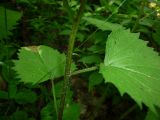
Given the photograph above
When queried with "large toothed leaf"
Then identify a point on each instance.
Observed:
(132, 67)
(8, 20)
(103, 25)
(39, 63)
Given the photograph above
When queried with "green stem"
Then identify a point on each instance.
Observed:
(85, 70)
(69, 58)
(54, 97)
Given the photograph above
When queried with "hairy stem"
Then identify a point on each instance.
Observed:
(85, 70)
(69, 58)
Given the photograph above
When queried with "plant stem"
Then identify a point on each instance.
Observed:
(85, 70)
(54, 97)
(69, 58)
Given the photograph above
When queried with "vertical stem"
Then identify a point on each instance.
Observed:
(69, 58)
(54, 97)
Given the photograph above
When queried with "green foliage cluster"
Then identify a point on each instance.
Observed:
(8, 20)
(115, 66)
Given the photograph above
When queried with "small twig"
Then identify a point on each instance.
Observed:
(128, 112)
(85, 70)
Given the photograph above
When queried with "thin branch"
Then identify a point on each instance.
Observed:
(85, 70)
(128, 111)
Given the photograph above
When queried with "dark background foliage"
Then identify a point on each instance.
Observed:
(47, 22)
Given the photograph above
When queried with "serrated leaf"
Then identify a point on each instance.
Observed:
(103, 25)
(39, 63)
(132, 67)
(8, 19)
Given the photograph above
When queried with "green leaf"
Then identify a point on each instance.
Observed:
(71, 112)
(25, 96)
(39, 63)
(90, 59)
(103, 25)
(132, 67)
(8, 19)
(156, 32)
(47, 112)
(12, 90)
(19, 115)
(96, 48)
(3, 95)
(94, 79)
